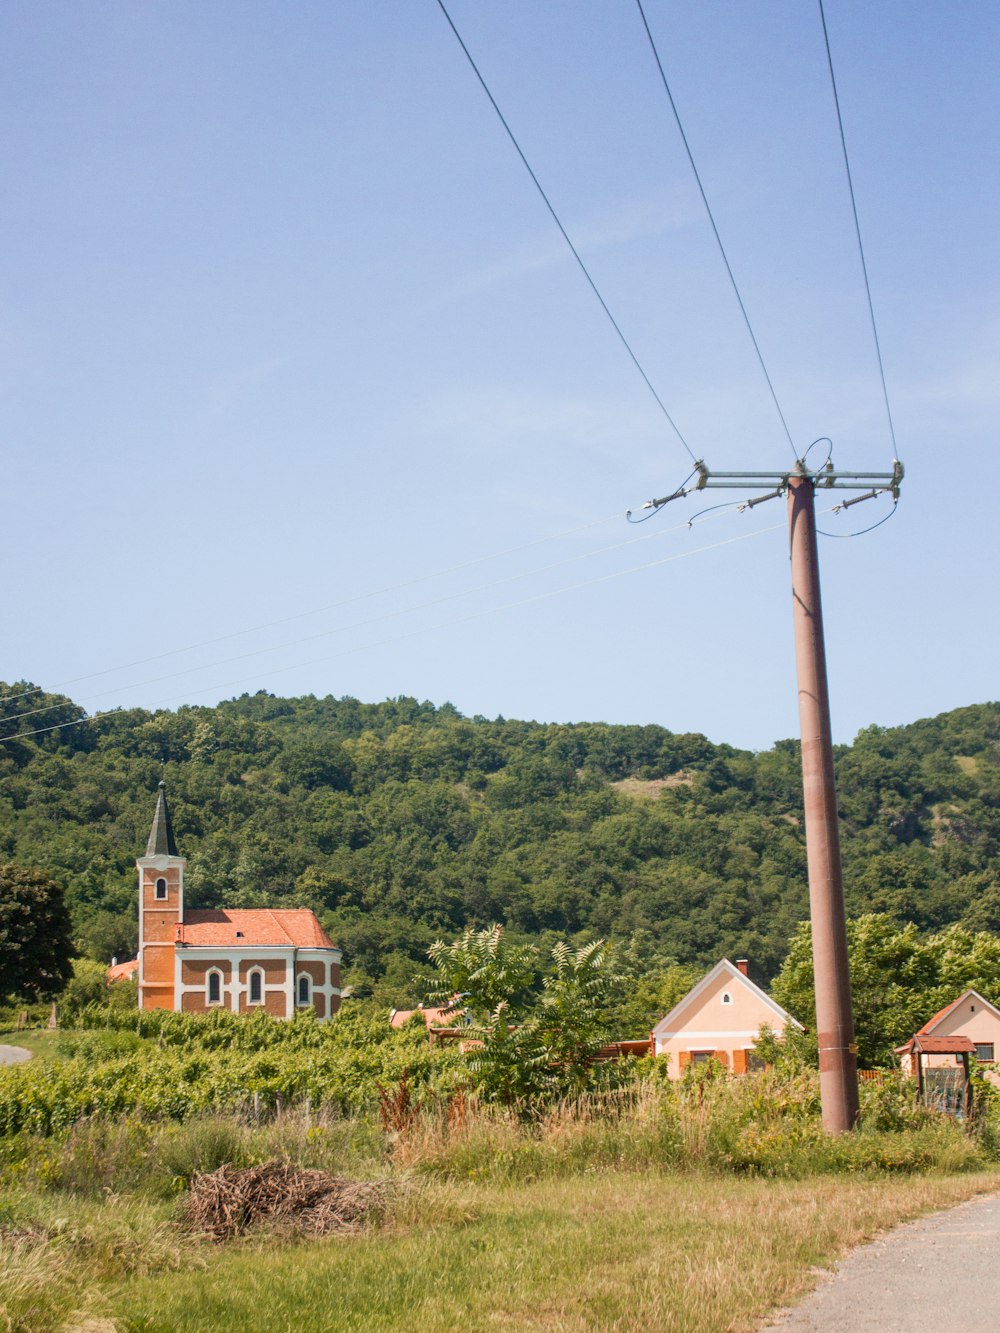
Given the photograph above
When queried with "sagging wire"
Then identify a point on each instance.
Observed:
(18, 737)
(870, 495)
(828, 462)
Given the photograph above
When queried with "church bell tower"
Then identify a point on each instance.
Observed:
(161, 910)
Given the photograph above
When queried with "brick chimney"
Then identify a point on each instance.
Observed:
(743, 964)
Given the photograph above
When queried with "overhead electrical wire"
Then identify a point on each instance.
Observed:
(321, 610)
(565, 235)
(857, 232)
(715, 229)
(845, 536)
(364, 624)
(447, 624)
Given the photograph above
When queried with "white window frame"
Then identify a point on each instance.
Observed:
(255, 972)
(982, 1046)
(161, 897)
(209, 1002)
(299, 1002)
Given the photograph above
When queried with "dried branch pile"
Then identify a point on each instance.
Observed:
(227, 1202)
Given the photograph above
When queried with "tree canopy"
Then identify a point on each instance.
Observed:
(35, 948)
(402, 822)
(899, 978)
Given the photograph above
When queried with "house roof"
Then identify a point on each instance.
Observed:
(937, 1045)
(246, 927)
(431, 1017)
(942, 1014)
(161, 835)
(670, 1021)
(123, 971)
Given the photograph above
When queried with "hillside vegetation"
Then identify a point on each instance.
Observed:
(401, 822)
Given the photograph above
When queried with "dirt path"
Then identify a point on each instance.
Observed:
(13, 1055)
(940, 1270)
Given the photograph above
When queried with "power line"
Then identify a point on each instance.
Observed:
(857, 230)
(364, 624)
(565, 235)
(447, 624)
(715, 229)
(321, 610)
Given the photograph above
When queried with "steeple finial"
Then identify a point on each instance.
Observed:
(161, 835)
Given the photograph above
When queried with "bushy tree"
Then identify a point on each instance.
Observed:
(536, 1028)
(35, 947)
(899, 978)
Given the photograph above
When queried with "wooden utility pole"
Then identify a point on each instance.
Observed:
(838, 1072)
(838, 1066)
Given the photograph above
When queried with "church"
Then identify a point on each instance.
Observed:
(279, 960)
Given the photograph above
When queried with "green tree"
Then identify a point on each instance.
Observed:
(535, 1042)
(35, 947)
(899, 978)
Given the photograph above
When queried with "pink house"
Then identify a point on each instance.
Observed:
(971, 1016)
(719, 1019)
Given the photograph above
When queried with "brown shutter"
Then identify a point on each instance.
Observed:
(683, 1059)
(723, 1058)
(739, 1062)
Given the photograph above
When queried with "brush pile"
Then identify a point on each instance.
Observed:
(227, 1202)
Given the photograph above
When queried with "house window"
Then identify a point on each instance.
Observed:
(726, 997)
(255, 987)
(702, 1057)
(214, 987)
(304, 994)
(755, 1063)
(984, 1050)
(161, 889)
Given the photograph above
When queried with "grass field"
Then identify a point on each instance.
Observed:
(696, 1206)
(691, 1254)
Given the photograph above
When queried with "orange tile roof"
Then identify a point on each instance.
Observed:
(242, 927)
(931, 1022)
(123, 971)
(431, 1017)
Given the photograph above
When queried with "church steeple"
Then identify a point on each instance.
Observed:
(161, 835)
(161, 910)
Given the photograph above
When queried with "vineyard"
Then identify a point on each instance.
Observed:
(166, 1066)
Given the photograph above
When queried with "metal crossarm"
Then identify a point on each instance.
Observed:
(827, 478)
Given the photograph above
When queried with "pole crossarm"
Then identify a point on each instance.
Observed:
(825, 478)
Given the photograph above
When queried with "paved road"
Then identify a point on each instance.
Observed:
(940, 1272)
(13, 1055)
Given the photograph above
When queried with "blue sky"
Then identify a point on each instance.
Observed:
(286, 335)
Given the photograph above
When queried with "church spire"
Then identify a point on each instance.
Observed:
(161, 835)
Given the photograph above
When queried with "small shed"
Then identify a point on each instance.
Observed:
(929, 1081)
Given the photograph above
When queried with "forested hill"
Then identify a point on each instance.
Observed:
(399, 822)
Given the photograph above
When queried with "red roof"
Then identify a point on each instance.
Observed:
(937, 1046)
(431, 1017)
(931, 1022)
(239, 928)
(123, 971)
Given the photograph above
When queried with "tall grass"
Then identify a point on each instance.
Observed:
(93, 1206)
(768, 1125)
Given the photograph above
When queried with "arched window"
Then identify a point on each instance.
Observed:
(161, 889)
(213, 992)
(255, 987)
(726, 998)
(305, 990)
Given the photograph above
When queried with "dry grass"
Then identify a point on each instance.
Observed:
(228, 1202)
(609, 1251)
(57, 1255)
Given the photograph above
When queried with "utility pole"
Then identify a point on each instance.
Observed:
(838, 1073)
(838, 1066)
